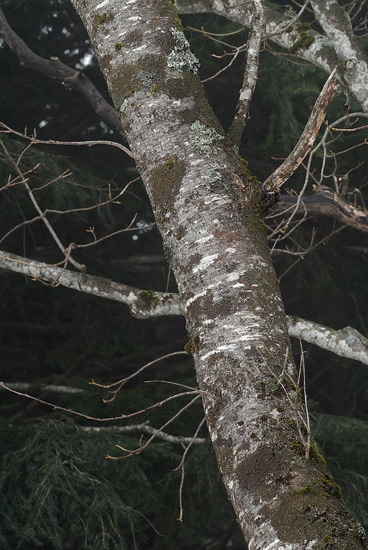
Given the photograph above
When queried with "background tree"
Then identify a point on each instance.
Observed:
(107, 343)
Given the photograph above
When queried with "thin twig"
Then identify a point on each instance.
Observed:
(90, 143)
(139, 449)
(95, 418)
(123, 381)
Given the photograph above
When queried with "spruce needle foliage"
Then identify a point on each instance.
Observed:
(60, 492)
(344, 443)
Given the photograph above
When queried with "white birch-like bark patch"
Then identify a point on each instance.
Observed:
(104, 3)
(205, 263)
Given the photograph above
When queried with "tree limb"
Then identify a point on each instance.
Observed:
(320, 50)
(145, 428)
(325, 202)
(337, 25)
(250, 73)
(273, 183)
(346, 342)
(142, 303)
(54, 68)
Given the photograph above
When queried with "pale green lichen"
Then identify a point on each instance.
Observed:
(146, 78)
(213, 177)
(181, 58)
(202, 138)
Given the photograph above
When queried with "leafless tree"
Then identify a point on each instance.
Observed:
(210, 211)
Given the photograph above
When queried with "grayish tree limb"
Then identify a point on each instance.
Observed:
(141, 303)
(250, 72)
(273, 183)
(311, 46)
(50, 388)
(346, 342)
(54, 68)
(146, 304)
(337, 25)
(145, 428)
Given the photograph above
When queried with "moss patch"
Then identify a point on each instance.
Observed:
(307, 514)
(103, 18)
(305, 38)
(192, 346)
(166, 180)
(149, 298)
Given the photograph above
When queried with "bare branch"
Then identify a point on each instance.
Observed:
(273, 183)
(34, 140)
(123, 381)
(145, 428)
(142, 303)
(95, 418)
(54, 68)
(139, 449)
(250, 72)
(42, 215)
(346, 342)
(182, 466)
(325, 202)
(49, 388)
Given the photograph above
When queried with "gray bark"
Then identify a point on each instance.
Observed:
(143, 304)
(337, 26)
(346, 342)
(326, 51)
(207, 209)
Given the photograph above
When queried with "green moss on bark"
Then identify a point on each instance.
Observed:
(166, 181)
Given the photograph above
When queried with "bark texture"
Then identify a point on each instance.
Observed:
(337, 26)
(207, 208)
(143, 304)
(323, 50)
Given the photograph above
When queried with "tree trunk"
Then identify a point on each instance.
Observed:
(208, 210)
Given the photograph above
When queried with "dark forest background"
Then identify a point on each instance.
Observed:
(58, 491)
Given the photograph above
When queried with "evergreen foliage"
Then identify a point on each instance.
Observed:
(344, 443)
(59, 492)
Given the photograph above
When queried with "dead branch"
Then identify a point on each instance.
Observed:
(54, 68)
(145, 428)
(250, 73)
(272, 185)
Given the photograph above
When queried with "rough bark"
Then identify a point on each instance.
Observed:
(324, 51)
(143, 304)
(206, 207)
(337, 25)
(346, 342)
